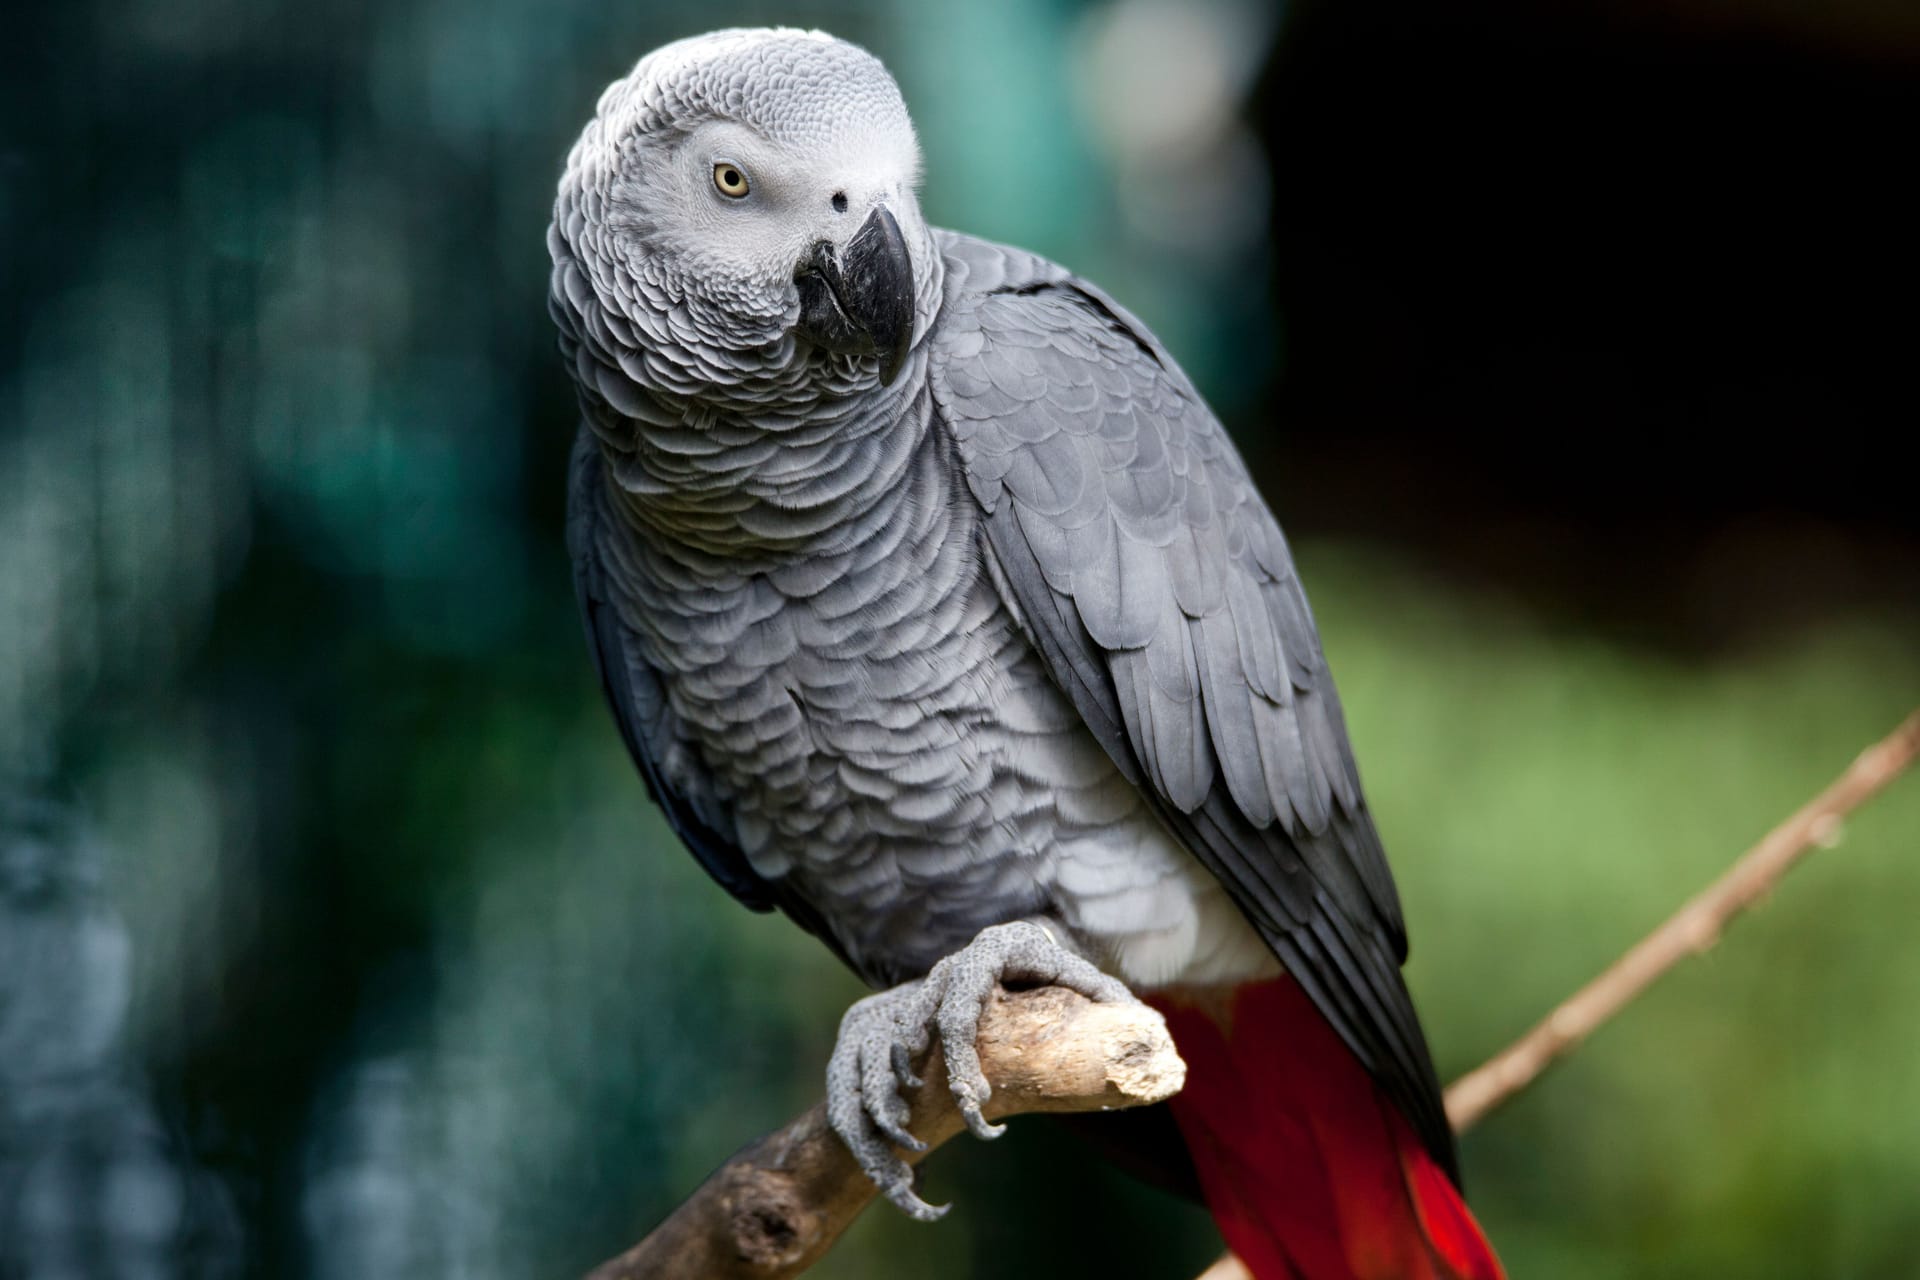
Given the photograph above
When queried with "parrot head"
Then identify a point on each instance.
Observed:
(743, 206)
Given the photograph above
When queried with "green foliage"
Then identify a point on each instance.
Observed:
(1547, 800)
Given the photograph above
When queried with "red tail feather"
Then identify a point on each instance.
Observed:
(1310, 1170)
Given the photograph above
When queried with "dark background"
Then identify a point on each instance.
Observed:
(1608, 300)
(1572, 344)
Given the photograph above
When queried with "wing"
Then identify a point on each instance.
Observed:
(674, 775)
(1159, 590)
(633, 689)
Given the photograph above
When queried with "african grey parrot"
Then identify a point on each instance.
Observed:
(938, 611)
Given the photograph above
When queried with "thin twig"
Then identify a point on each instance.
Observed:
(1692, 929)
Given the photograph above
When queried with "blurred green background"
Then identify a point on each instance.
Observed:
(337, 937)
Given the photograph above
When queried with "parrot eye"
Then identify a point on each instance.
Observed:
(731, 182)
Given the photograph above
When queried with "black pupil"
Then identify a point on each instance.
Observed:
(730, 177)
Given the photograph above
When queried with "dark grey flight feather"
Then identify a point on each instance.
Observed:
(1158, 589)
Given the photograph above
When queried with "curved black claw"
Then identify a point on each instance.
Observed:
(903, 1067)
(882, 1035)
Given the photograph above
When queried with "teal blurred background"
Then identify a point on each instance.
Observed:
(337, 937)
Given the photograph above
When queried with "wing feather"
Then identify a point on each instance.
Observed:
(1125, 531)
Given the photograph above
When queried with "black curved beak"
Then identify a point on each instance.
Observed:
(859, 301)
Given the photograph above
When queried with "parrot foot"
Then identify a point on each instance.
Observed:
(882, 1035)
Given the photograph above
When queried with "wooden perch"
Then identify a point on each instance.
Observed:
(776, 1207)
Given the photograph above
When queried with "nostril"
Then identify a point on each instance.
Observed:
(839, 202)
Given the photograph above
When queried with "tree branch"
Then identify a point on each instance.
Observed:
(779, 1205)
(776, 1207)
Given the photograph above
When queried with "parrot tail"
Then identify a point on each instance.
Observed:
(1310, 1170)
